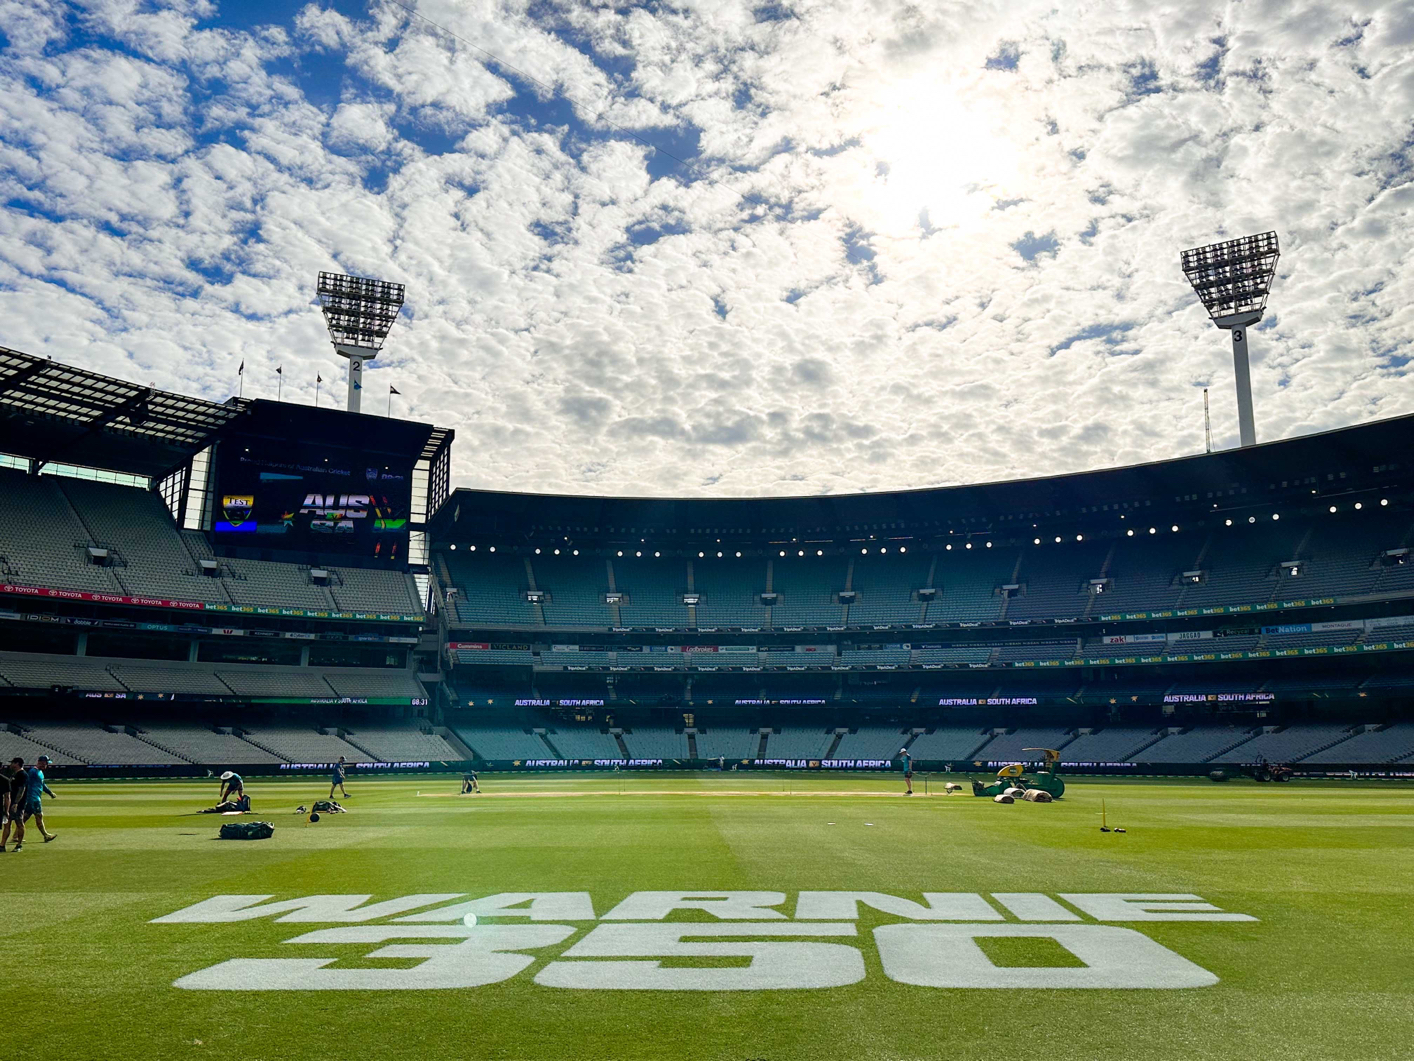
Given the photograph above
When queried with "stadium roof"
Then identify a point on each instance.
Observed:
(1365, 457)
(60, 414)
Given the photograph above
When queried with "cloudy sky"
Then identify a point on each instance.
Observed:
(723, 247)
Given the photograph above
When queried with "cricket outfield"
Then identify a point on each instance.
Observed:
(732, 917)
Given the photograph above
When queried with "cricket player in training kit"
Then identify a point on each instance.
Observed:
(338, 779)
(18, 779)
(33, 807)
(4, 806)
(232, 787)
(907, 770)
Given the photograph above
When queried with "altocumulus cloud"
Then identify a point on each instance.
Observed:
(910, 245)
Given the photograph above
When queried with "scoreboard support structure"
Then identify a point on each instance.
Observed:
(357, 356)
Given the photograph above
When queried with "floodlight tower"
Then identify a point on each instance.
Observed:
(360, 312)
(1232, 280)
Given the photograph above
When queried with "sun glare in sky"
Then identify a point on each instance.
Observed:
(944, 154)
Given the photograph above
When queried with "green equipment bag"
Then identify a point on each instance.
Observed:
(247, 831)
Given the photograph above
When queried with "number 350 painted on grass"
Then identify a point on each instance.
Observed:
(783, 955)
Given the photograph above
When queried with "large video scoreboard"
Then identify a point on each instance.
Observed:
(317, 482)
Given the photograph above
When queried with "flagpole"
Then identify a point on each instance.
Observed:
(390, 401)
(317, 380)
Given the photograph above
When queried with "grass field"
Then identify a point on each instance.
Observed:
(1326, 868)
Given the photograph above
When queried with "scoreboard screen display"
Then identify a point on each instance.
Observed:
(315, 499)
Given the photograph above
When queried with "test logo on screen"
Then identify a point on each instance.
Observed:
(239, 510)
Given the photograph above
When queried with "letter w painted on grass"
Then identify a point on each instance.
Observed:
(323, 908)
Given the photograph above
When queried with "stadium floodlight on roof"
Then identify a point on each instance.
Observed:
(1232, 280)
(360, 312)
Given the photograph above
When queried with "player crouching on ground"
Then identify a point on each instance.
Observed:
(469, 783)
(239, 805)
(232, 788)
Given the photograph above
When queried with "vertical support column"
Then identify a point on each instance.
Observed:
(357, 356)
(355, 383)
(1246, 426)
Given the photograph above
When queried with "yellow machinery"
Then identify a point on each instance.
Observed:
(1015, 776)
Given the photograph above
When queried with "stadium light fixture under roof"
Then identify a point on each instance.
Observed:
(1232, 280)
(359, 312)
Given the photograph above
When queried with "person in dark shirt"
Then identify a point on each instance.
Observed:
(15, 774)
(239, 805)
(469, 783)
(907, 770)
(4, 803)
(337, 779)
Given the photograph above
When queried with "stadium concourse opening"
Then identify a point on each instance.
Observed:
(268, 587)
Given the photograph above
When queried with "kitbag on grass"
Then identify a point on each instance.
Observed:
(247, 831)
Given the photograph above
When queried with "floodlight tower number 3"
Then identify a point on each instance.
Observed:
(1232, 280)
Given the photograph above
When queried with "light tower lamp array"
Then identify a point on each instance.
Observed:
(1232, 280)
(359, 312)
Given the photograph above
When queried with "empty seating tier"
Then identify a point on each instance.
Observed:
(1198, 745)
(947, 743)
(730, 742)
(203, 746)
(1388, 745)
(496, 742)
(1284, 745)
(402, 744)
(1012, 747)
(799, 742)
(97, 746)
(302, 745)
(1114, 744)
(650, 742)
(578, 743)
(13, 744)
(872, 742)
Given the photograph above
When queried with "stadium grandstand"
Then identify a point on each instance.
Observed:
(185, 584)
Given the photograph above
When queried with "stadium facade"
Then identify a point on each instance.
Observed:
(186, 584)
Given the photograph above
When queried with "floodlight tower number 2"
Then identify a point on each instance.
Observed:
(1232, 280)
(359, 312)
